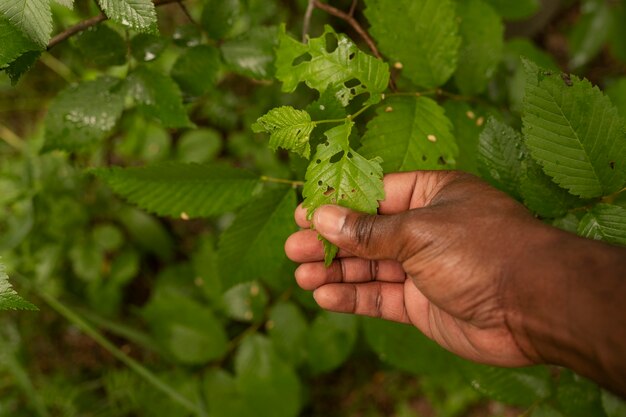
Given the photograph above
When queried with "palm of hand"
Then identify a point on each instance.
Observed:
(436, 259)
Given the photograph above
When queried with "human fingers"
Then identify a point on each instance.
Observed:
(304, 246)
(374, 299)
(315, 274)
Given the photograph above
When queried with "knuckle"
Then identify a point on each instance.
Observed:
(362, 229)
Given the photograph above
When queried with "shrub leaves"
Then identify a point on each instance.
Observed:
(288, 128)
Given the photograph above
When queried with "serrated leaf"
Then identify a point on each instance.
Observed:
(252, 54)
(467, 122)
(101, 46)
(218, 17)
(574, 132)
(500, 154)
(339, 175)
(346, 70)
(482, 34)
(9, 299)
(420, 34)
(182, 190)
(288, 128)
(252, 247)
(139, 15)
(330, 340)
(13, 42)
(158, 96)
(405, 348)
(520, 386)
(83, 114)
(605, 222)
(541, 195)
(196, 69)
(67, 3)
(22, 65)
(410, 133)
(266, 383)
(33, 17)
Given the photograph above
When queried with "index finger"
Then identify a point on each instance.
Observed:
(403, 191)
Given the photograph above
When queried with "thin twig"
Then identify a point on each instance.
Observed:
(11, 138)
(186, 12)
(353, 7)
(306, 21)
(92, 21)
(294, 184)
(352, 22)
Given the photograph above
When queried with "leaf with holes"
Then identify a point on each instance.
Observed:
(139, 15)
(288, 128)
(419, 34)
(182, 190)
(605, 222)
(339, 175)
(346, 70)
(574, 132)
(410, 133)
(33, 17)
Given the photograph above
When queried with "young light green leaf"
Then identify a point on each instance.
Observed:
(139, 15)
(500, 153)
(83, 114)
(33, 17)
(196, 69)
(182, 190)
(605, 222)
(574, 132)
(421, 35)
(251, 248)
(252, 54)
(288, 128)
(158, 96)
(482, 34)
(9, 300)
(14, 42)
(410, 133)
(347, 71)
(339, 175)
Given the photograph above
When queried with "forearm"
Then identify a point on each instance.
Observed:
(568, 306)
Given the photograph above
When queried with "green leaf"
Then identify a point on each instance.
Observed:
(613, 406)
(339, 175)
(182, 190)
(245, 302)
(252, 54)
(331, 339)
(139, 15)
(617, 93)
(218, 17)
(406, 348)
(574, 132)
(67, 3)
(13, 41)
(83, 114)
(500, 154)
(410, 133)
(158, 97)
(288, 329)
(265, 382)
(199, 145)
(482, 34)
(22, 65)
(102, 46)
(252, 247)
(590, 32)
(9, 300)
(605, 222)
(521, 386)
(578, 397)
(617, 39)
(541, 195)
(146, 47)
(33, 17)
(419, 34)
(468, 122)
(288, 128)
(196, 69)
(187, 329)
(514, 10)
(346, 70)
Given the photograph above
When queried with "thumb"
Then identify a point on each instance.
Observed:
(365, 235)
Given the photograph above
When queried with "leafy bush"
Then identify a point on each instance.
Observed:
(186, 305)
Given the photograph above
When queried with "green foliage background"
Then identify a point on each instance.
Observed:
(143, 212)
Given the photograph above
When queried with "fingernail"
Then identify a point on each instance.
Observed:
(329, 220)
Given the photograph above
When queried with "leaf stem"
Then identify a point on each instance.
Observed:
(294, 184)
(348, 117)
(135, 366)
